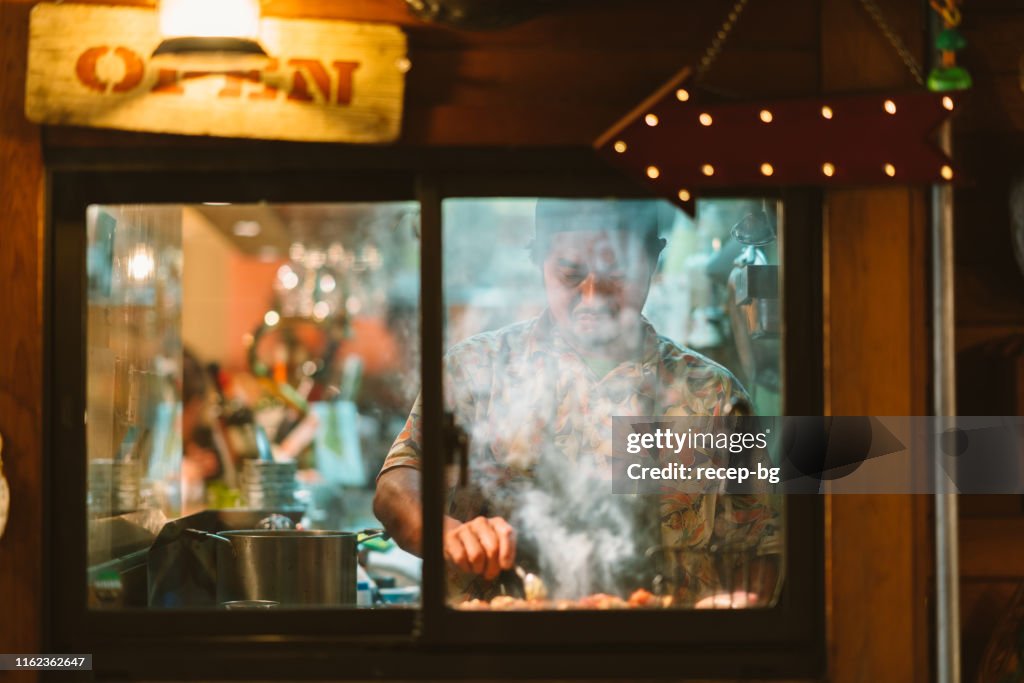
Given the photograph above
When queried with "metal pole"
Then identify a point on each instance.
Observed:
(947, 570)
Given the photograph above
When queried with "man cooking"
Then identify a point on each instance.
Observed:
(537, 400)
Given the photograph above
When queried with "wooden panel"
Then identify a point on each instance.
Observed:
(992, 548)
(21, 353)
(329, 80)
(875, 283)
(565, 76)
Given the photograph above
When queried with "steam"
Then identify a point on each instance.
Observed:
(584, 538)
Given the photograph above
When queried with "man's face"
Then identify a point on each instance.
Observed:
(596, 284)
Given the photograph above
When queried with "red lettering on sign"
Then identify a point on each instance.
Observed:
(234, 80)
(300, 86)
(345, 70)
(269, 91)
(85, 68)
(167, 82)
(134, 69)
(310, 80)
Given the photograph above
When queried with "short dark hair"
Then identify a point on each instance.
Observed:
(640, 217)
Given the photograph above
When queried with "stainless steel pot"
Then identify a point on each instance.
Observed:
(288, 566)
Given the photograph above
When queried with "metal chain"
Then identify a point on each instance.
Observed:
(894, 40)
(715, 48)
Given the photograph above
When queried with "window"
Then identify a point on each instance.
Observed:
(561, 314)
(248, 367)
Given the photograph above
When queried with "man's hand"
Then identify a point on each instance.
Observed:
(484, 545)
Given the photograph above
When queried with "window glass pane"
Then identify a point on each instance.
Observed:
(248, 367)
(562, 314)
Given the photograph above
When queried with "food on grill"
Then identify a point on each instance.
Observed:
(735, 600)
(597, 601)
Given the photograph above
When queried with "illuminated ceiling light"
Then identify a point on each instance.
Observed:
(707, 169)
(705, 119)
(890, 170)
(947, 172)
(141, 264)
(947, 103)
(651, 120)
(216, 203)
(889, 106)
(682, 95)
(213, 35)
(246, 228)
(321, 309)
(684, 195)
(766, 116)
(828, 169)
(620, 146)
(271, 318)
(826, 112)
(653, 172)
(766, 169)
(327, 283)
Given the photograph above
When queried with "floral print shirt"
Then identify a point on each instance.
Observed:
(522, 390)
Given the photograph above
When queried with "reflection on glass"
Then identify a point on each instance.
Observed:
(566, 314)
(248, 367)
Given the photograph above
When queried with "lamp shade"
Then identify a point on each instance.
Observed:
(211, 34)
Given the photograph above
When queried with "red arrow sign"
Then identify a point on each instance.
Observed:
(679, 145)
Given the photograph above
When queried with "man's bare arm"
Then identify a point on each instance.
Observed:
(480, 546)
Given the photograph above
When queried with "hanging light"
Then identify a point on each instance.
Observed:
(211, 33)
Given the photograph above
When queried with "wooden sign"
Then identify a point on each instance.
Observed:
(328, 81)
(678, 145)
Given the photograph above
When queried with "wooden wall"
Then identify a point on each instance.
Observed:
(989, 138)
(560, 80)
(21, 337)
(566, 76)
(876, 355)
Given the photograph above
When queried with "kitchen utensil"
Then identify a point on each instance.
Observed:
(249, 604)
(519, 583)
(269, 485)
(533, 585)
(292, 567)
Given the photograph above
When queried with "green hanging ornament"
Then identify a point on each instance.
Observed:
(947, 76)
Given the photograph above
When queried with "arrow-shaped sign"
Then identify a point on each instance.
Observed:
(679, 145)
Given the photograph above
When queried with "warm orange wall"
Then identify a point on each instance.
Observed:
(21, 337)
